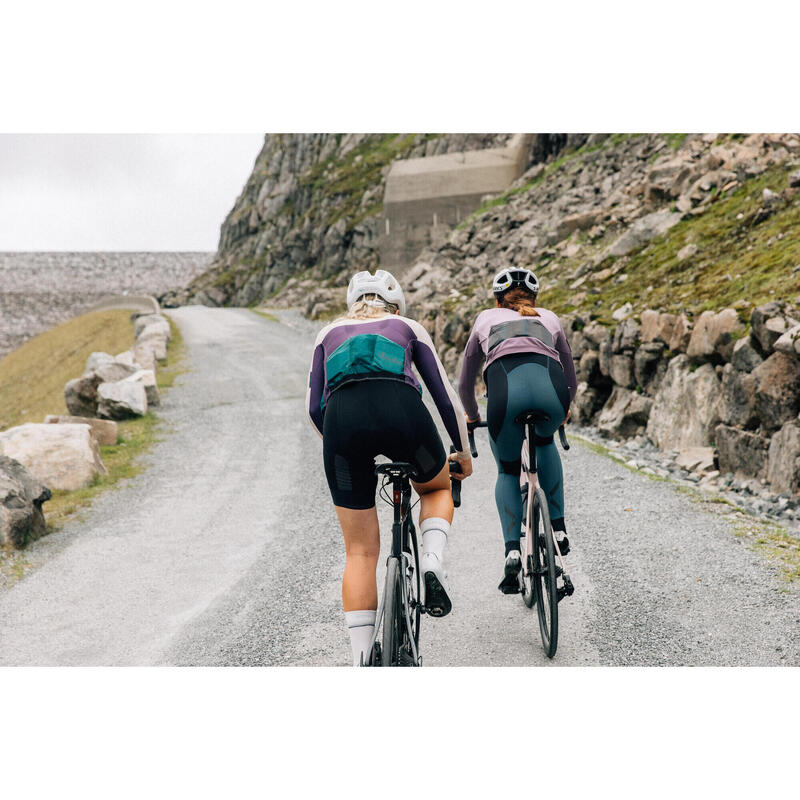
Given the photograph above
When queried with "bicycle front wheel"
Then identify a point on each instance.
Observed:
(544, 574)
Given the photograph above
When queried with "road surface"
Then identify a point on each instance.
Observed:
(226, 551)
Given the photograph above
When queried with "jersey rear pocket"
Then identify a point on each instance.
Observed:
(367, 354)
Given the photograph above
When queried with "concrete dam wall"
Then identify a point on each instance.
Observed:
(426, 197)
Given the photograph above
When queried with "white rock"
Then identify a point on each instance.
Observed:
(789, 342)
(147, 320)
(623, 312)
(96, 360)
(104, 430)
(121, 400)
(60, 456)
(696, 459)
(686, 407)
(148, 379)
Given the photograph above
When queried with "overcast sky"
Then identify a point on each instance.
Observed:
(121, 191)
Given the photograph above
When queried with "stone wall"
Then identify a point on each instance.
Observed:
(730, 381)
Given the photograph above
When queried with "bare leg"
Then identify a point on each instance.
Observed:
(362, 546)
(435, 497)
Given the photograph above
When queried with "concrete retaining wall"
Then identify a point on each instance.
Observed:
(426, 197)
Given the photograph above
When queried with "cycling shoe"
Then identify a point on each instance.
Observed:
(437, 591)
(510, 582)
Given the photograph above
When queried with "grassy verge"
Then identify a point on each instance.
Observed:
(123, 460)
(738, 258)
(265, 314)
(774, 544)
(32, 378)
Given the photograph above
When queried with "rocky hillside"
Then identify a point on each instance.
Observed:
(676, 223)
(311, 209)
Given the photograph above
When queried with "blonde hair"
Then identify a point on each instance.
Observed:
(370, 306)
(519, 300)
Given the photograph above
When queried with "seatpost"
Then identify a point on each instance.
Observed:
(531, 449)
(397, 492)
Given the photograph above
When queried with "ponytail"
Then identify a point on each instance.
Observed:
(519, 300)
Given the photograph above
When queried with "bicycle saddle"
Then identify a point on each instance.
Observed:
(399, 468)
(533, 416)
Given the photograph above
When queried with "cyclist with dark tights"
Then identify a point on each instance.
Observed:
(364, 400)
(528, 366)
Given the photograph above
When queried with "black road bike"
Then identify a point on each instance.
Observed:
(401, 607)
(542, 563)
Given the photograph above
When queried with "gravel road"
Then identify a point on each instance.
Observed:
(226, 551)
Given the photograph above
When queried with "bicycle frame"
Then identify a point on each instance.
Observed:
(531, 475)
(404, 540)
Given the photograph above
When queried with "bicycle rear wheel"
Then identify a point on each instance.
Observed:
(544, 574)
(526, 575)
(393, 623)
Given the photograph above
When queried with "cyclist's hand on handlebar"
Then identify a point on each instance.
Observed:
(464, 461)
(569, 414)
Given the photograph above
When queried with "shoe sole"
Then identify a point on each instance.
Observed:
(510, 582)
(437, 602)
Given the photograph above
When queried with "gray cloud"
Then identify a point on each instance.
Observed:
(121, 191)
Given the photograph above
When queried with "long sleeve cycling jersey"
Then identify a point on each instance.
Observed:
(502, 331)
(356, 350)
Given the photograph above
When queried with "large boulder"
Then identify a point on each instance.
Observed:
(596, 334)
(605, 353)
(588, 400)
(121, 400)
(152, 323)
(104, 430)
(685, 408)
(96, 360)
(783, 467)
(156, 342)
(768, 323)
(777, 390)
(745, 357)
(148, 379)
(696, 459)
(713, 336)
(624, 414)
(737, 404)
(741, 452)
(80, 394)
(627, 336)
(672, 329)
(21, 499)
(60, 456)
(145, 356)
(643, 230)
(621, 370)
(588, 368)
(649, 366)
(789, 342)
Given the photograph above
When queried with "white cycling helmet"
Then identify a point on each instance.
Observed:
(511, 278)
(382, 283)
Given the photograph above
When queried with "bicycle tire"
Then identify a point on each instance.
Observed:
(392, 615)
(528, 590)
(544, 558)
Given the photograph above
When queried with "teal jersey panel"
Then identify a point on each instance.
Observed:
(364, 354)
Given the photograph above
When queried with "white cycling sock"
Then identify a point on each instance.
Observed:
(360, 626)
(434, 535)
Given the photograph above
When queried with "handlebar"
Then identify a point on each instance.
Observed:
(471, 434)
(562, 436)
(455, 484)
